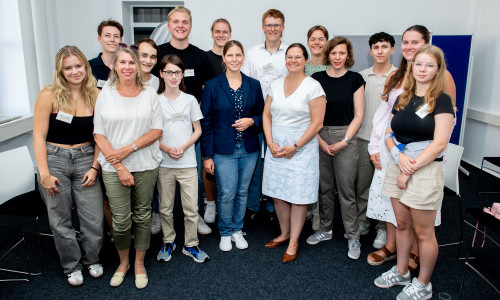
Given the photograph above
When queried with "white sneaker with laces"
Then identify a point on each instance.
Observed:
(96, 270)
(203, 227)
(225, 243)
(416, 291)
(210, 212)
(75, 279)
(155, 224)
(354, 249)
(380, 239)
(239, 240)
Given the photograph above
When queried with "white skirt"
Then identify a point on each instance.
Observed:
(294, 180)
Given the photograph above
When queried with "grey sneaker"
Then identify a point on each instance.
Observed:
(416, 291)
(165, 253)
(203, 227)
(380, 239)
(392, 278)
(319, 236)
(198, 255)
(75, 279)
(354, 249)
(96, 270)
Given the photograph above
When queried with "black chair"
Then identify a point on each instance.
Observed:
(494, 161)
(9, 234)
(484, 261)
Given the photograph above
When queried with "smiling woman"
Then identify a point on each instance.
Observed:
(128, 123)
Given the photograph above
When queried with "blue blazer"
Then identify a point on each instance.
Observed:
(219, 113)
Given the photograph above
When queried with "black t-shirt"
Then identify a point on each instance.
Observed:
(216, 62)
(408, 127)
(339, 96)
(99, 69)
(198, 67)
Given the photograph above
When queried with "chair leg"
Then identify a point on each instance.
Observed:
(463, 276)
(39, 244)
(461, 213)
(480, 177)
(27, 256)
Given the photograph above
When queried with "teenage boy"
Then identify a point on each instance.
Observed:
(265, 62)
(221, 33)
(109, 35)
(317, 37)
(381, 49)
(198, 71)
(147, 51)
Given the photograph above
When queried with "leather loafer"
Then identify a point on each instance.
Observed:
(141, 281)
(117, 278)
(289, 257)
(273, 244)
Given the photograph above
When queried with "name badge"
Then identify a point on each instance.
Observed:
(267, 68)
(422, 112)
(64, 117)
(178, 117)
(189, 73)
(101, 83)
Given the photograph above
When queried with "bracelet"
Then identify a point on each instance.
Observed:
(95, 169)
(118, 169)
(206, 158)
(43, 179)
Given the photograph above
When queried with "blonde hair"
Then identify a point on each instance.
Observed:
(113, 76)
(437, 84)
(180, 8)
(60, 85)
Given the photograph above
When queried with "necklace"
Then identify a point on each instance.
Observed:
(418, 100)
(76, 100)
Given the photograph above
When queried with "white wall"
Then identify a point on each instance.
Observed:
(481, 138)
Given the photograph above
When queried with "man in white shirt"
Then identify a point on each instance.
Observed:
(265, 62)
(381, 49)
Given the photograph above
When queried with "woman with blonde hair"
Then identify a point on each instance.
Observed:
(67, 162)
(422, 118)
(128, 124)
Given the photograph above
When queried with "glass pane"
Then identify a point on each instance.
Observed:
(150, 14)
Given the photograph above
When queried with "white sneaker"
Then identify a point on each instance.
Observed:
(239, 240)
(225, 243)
(354, 249)
(210, 212)
(75, 279)
(155, 224)
(380, 239)
(96, 270)
(203, 227)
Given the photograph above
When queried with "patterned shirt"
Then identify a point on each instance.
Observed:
(238, 105)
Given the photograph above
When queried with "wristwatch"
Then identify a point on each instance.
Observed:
(347, 140)
(297, 148)
(134, 147)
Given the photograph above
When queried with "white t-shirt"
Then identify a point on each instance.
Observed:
(154, 82)
(122, 120)
(293, 110)
(178, 118)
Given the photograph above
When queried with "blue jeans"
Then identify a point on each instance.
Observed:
(256, 184)
(69, 166)
(233, 174)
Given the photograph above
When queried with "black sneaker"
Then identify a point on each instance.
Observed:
(251, 217)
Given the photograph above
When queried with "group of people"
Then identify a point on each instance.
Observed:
(374, 140)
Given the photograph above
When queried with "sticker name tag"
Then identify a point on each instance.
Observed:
(422, 112)
(189, 73)
(178, 117)
(64, 117)
(101, 83)
(267, 68)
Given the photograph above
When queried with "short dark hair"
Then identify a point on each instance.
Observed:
(381, 37)
(110, 22)
(146, 40)
(338, 40)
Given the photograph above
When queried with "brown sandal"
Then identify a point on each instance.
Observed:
(381, 259)
(416, 260)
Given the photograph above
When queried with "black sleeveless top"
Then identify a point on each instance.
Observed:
(81, 130)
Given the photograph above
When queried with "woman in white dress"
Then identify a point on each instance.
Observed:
(293, 116)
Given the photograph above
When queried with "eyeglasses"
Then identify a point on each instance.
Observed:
(125, 46)
(298, 57)
(419, 65)
(272, 26)
(172, 73)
